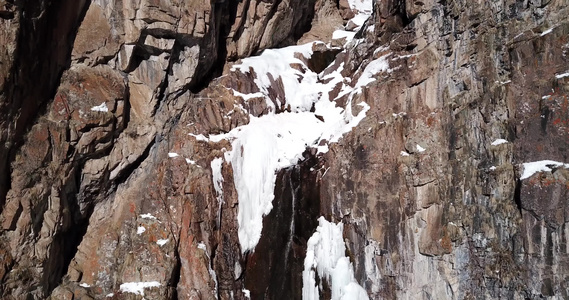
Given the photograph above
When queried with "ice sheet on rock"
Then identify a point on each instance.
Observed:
(216, 165)
(137, 288)
(499, 142)
(325, 257)
(102, 108)
(275, 141)
(540, 166)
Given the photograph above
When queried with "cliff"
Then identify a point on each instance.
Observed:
(320, 149)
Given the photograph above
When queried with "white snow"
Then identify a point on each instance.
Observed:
(247, 293)
(103, 107)
(340, 34)
(499, 142)
(137, 288)
(148, 216)
(216, 165)
(247, 97)
(275, 63)
(362, 6)
(172, 154)
(275, 141)
(559, 76)
(547, 31)
(140, 230)
(110, 295)
(362, 11)
(162, 242)
(493, 168)
(420, 149)
(199, 137)
(325, 256)
(374, 67)
(202, 246)
(404, 153)
(191, 162)
(85, 285)
(531, 168)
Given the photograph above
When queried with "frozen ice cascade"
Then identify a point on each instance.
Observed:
(325, 255)
(274, 141)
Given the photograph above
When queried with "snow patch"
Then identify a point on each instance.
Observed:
(325, 256)
(85, 285)
(373, 68)
(247, 97)
(191, 162)
(148, 216)
(172, 154)
(559, 76)
(162, 242)
(140, 230)
(247, 293)
(199, 137)
(340, 34)
(110, 295)
(547, 31)
(531, 168)
(493, 168)
(202, 246)
(102, 108)
(420, 149)
(499, 142)
(275, 63)
(137, 288)
(403, 153)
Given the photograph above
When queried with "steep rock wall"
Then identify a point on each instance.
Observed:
(103, 185)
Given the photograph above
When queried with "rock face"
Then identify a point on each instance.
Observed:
(113, 183)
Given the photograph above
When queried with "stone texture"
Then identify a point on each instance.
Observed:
(78, 180)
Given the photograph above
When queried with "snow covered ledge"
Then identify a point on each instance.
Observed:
(530, 168)
(325, 257)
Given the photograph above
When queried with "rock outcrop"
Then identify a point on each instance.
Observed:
(119, 121)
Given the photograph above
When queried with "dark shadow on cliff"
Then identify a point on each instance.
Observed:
(274, 270)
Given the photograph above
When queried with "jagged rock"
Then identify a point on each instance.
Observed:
(110, 164)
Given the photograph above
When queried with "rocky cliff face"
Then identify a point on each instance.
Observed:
(158, 150)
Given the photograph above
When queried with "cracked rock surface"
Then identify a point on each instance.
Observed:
(108, 110)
